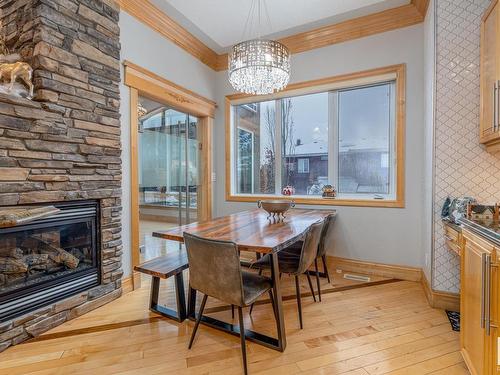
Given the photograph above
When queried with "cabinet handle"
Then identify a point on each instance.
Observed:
(483, 288)
(487, 304)
(449, 238)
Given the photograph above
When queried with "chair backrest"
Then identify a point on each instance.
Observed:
(310, 247)
(326, 234)
(214, 268)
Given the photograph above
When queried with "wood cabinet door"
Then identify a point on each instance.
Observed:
(489, 76)
(494, 368)
(473, 339)
(495, 314)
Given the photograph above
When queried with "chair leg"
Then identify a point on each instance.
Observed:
(317, 278)
(310, 285)
(299, 304)
(242, 338)
(202, 307)
(251, 307)
(325, 267)
(232, 311)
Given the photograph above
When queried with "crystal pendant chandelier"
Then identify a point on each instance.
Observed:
(259, 66)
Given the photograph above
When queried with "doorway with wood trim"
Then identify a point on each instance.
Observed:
(171, 160)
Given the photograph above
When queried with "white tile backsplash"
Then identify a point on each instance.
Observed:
(462, 166)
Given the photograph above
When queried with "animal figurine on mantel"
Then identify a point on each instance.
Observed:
(11, 72)
(12, 69)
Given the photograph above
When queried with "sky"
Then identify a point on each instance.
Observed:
(364, 114)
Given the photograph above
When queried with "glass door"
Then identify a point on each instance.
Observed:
(168, 174)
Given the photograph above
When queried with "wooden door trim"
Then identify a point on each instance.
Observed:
(168, 92)
(134, 186)
(142, 82)
(371, 24)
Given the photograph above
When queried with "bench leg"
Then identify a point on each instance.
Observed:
(155, 291)
(180, 296)
(155, 307)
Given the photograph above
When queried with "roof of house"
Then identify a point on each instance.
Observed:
(320, 147)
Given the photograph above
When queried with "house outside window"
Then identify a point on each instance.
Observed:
(344, 135)
(303, 165)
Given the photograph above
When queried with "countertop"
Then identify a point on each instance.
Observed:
(489, 229)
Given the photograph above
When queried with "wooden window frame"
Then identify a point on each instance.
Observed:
(394, 72)
(143, 82)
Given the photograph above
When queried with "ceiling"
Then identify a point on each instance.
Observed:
(220, 23)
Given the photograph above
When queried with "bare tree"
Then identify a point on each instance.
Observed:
(287, 142)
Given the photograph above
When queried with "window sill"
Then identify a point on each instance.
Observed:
(322, 201)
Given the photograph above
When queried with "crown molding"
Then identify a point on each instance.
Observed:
(422, 6)
(387, 20)
(150, 15)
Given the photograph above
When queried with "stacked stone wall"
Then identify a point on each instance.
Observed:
(64, 145)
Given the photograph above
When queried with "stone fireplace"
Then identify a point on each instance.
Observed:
(62, 149)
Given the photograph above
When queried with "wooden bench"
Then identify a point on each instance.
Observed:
(164, 267)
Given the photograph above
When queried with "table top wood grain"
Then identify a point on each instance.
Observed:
(252, 230)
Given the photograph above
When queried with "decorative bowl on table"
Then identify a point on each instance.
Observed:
(275, 208)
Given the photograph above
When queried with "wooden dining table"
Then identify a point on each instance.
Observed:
(252, 231)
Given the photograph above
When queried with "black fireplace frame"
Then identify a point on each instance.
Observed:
(57, 219)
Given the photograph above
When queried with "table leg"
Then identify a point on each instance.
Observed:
(280, 323)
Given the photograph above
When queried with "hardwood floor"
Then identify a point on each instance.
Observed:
(152, 247)
(381, 329)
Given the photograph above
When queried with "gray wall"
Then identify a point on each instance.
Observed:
(143, 46)
(429, 98)
(385, 235)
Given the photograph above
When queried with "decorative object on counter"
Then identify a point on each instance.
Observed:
(483, 212)
(445, 211)
(288, 190)
(457, 209)
(14, 216)
(329, 192)
(276, 208)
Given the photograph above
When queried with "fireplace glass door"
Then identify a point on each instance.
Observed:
(49, 259)
(32, 256)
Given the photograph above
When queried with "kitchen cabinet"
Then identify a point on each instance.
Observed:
(453, 237)
(479, 304)
(490, 78)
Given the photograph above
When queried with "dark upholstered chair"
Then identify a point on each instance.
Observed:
(296, 266)
(326, 238)
(215, 271)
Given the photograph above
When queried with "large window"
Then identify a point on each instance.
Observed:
(343, 134)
